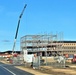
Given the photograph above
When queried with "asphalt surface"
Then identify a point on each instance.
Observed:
(11, 70)
(3, 71)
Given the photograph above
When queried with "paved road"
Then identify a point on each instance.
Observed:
(11, 70)
(4, 71)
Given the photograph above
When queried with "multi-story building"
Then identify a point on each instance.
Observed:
(69, 47)
(47, 44)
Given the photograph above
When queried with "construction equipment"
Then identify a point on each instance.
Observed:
(74, 59)
(18, 28)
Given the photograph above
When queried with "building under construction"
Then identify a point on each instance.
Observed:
(47, 45)
(43, 44)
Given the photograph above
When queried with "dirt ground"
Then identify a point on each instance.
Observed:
(59, 71)
(48, 70)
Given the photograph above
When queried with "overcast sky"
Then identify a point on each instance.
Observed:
(40, 16)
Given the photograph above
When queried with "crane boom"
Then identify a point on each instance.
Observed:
(18, 28)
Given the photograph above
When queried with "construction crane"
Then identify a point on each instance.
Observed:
(18, 28)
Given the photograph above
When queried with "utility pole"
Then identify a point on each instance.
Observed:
(18, 28)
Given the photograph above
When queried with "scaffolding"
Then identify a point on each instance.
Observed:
(44, 46)
(47, 44)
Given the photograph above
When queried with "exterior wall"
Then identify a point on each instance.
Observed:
(69, 48)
